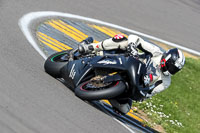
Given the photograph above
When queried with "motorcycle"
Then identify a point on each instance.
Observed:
(115, 75)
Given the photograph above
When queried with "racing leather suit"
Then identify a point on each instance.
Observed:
(158, 81)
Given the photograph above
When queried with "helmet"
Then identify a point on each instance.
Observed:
(172, 61)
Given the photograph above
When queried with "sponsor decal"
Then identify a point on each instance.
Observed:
(106, 62)
(139, 68)
(120, 60)
(72, 72)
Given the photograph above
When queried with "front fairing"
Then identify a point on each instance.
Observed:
(133, 67)
(75, 71)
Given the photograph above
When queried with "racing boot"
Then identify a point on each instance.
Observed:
(84, 48)
(121, 106)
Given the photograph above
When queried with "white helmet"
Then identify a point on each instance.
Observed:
(172, 61)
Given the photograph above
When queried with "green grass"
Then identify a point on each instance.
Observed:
(177, 108)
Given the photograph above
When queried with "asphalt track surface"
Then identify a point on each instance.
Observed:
(32, 101)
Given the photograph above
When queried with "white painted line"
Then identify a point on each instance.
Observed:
(24, 24)
(124, 125)
(26, 19)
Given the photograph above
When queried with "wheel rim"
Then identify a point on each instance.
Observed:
(88, 86)
(60, 57)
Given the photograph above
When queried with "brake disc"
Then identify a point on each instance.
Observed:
(97, 82)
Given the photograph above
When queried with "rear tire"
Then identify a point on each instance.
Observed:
(105, 93)
(53, 63)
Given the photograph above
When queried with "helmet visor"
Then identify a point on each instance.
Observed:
(173, 69)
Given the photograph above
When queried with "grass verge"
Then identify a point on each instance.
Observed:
(177, 109)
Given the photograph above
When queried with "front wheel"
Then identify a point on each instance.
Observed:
(55, 62)
(89, 91)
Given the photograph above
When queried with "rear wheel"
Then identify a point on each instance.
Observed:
(95, 90)
(55, 62)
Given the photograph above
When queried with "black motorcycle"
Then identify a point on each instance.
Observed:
(115, 75)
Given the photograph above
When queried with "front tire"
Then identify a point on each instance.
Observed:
(54, 63)
(117, 88)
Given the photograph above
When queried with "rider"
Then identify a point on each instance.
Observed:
(160, 68)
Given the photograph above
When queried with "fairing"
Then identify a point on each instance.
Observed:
(77, 70)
